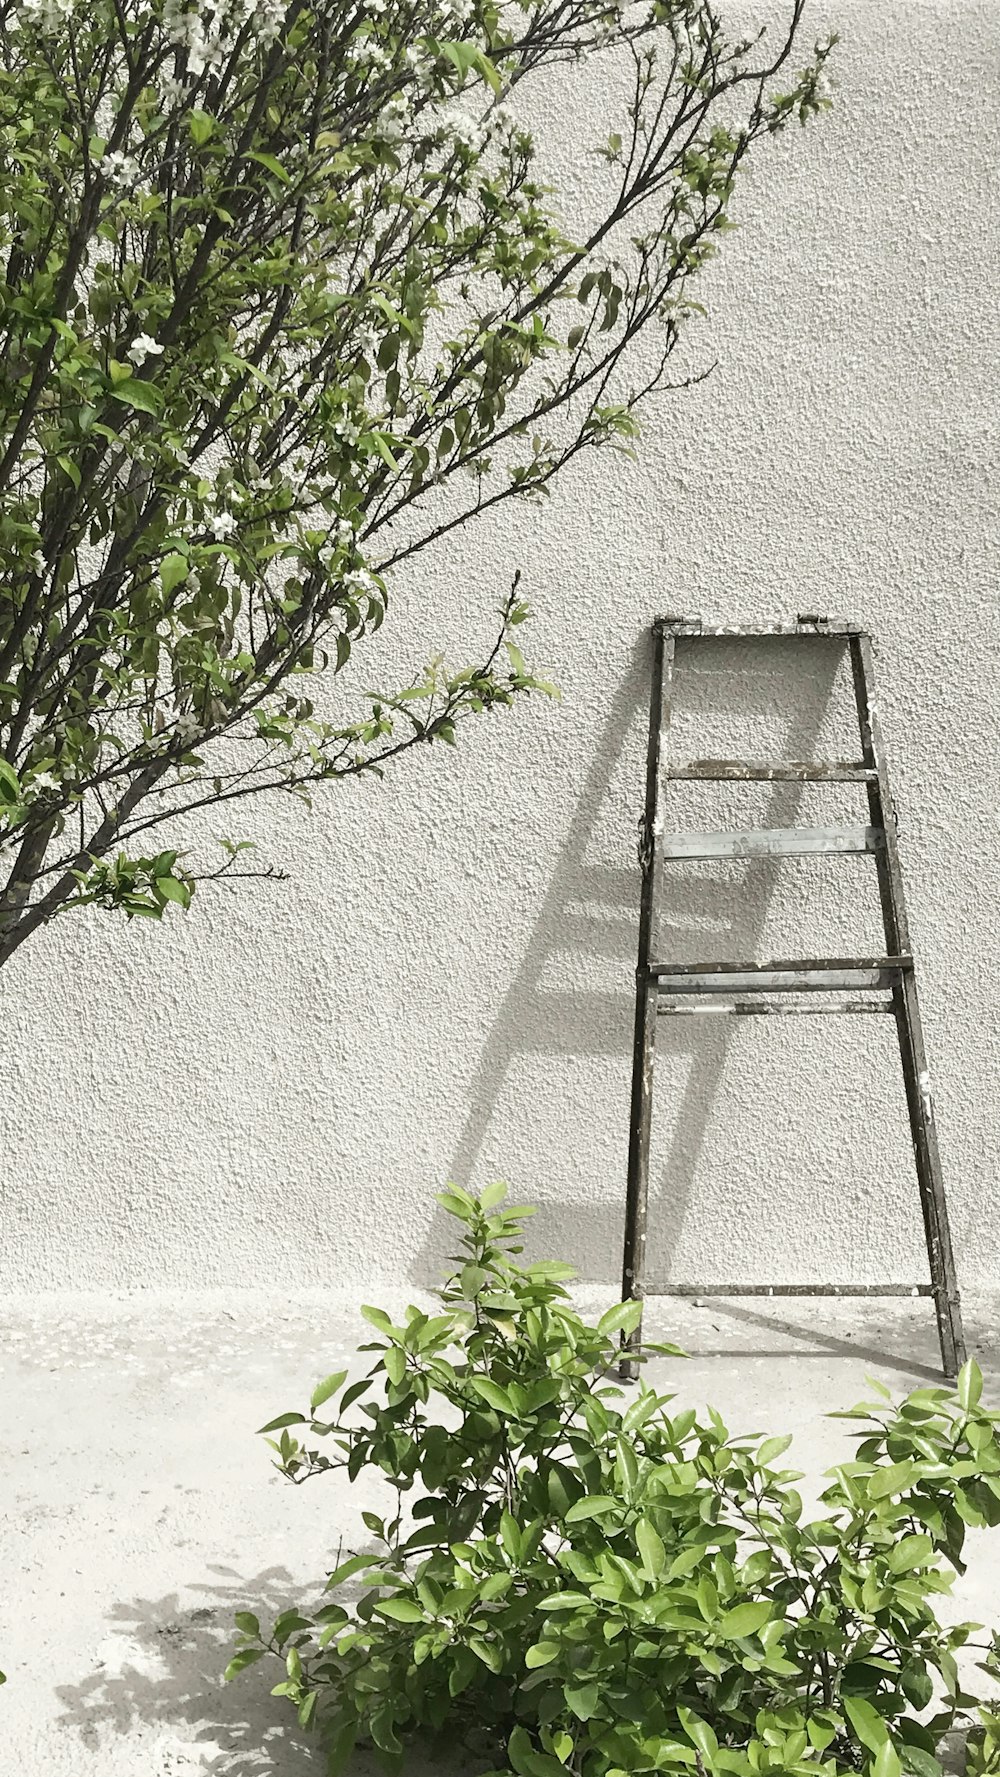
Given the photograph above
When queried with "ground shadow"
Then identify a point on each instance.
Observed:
(168, 1677)
(590, 914)
(880, 1343)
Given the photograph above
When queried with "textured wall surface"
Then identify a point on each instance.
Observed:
(268, 1091)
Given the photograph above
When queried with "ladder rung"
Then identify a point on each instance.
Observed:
(751, 1008)
(812, 975)
(697, 1290)
(770, 842)
(834, 771)
(823, 626)
(792, 966)
(781, 981)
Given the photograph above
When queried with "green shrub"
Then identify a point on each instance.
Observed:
(584, 1582)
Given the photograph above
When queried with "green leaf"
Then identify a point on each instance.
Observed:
(282, 1420)
(745, 1619)
(895, 1477)
(918, 1760)
(377, 1318)
(519, 1749)
(487, 1651)
(395, 1364)
(970, 1385)
(271, 164)
(623, 1318)
(173, 571)
(887, 1761)
(493, 1195)
(492, 1393)
(201, 126)
(341, 1749)
(772, 1448)
(916, 1684)
(651, 1549)
(172, 890)
(910, 1552)
(583, 1699)
(247, 1622)
(145, 397)
(326, 1388)
(593, 1505)
(247, 1656)
(347, 1569)
(699, 1733)
(868, 1725)
(401, 1610)
(542, 1654)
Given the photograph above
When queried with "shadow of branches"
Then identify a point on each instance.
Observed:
(160, 1682)
(162, 1671)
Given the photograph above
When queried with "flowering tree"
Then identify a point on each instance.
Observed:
(283, 303)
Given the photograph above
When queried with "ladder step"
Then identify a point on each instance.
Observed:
(754, 1008)
(793, 965)
(830, 771)
(697, 1290)
(814, 975)
(806, 626)
(771, 842)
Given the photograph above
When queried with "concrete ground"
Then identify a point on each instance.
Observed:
(140, 1511)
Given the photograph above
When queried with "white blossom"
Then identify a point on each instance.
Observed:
(172, 90)
(466, 128)
(394, 119)
(369, 50)
(119, 168)
(363, 581)
(142, 348)
(43, 780)
(222, 526)
(267, 20)
(50, 15)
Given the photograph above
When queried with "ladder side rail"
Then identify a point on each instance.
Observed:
(913, 1057)
(644, 1039)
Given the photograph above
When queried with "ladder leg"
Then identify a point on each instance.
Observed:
(916, 1078)
(644, 1046)
(637, 1190)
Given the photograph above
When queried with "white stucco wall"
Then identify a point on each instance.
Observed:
(270, 1090)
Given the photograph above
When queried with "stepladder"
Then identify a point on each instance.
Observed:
(804, 986)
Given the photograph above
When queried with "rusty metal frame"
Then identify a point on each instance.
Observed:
(744, 989)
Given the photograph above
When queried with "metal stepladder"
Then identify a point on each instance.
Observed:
(885, 983)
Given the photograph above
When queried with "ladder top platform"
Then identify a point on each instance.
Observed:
(806, 624)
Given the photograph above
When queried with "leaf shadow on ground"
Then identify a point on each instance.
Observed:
(163, 1686)
(166, 1676)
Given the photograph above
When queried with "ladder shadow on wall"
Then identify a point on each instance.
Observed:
(590, 916)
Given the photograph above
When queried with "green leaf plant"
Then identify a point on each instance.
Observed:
(284, 301)
(576, 1578)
